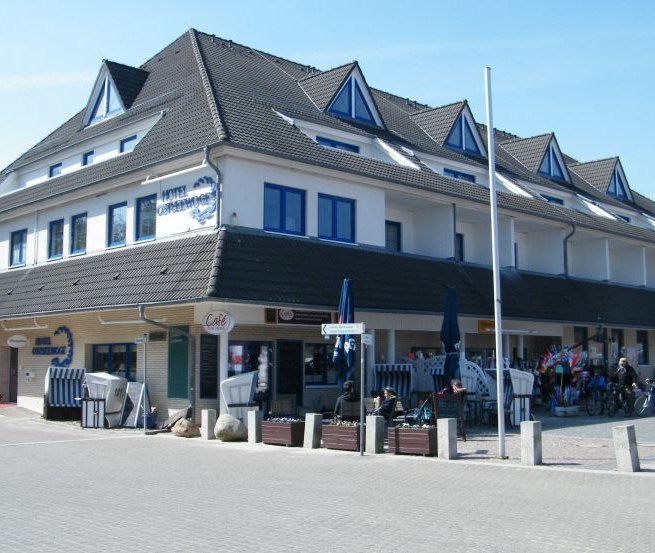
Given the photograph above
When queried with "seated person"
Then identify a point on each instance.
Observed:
(347, 395)
(385, 405)
(456, 386)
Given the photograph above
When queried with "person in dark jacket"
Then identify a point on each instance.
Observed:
(627, 379)
(347, 395)
(387, 403)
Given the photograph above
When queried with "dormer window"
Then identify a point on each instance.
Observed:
(462, 137)
(107, 103)
(616, 187)
(337, 145)
(550, 166)
(351, 102)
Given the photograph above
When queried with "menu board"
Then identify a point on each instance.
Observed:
(208, 366)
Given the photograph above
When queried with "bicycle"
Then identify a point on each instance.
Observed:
(617, 399)
(645, 403)
(594, 401)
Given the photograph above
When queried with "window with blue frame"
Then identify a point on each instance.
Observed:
(78, 233)
(107, 103)
(461, 137)
(117, 359)
(552, 199)
(56, 239)
(458, 175)
(284, 209)
(550, 166)
(337, 145)
(392, 236)
(146, 217)
(18, 248)
(54, 170)
(616, 187)
(351, 102)
(127, 144)
(87, 158)
(117, 224)
(336, 218)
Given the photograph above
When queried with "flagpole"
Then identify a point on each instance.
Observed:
(496, 268)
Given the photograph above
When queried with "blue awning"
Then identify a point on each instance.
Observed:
(63, 385)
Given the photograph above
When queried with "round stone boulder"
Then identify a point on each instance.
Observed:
(230, 429)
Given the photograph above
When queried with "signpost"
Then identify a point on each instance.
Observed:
(144, 340)
(354, 328)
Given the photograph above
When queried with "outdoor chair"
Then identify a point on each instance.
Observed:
(490, 408)
(452, 406)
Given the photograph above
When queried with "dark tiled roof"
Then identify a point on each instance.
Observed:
(322, 87)
(438, 122)
(273, 270)
(163, 271)
(596, 173)
(528, 151)
(128, 81)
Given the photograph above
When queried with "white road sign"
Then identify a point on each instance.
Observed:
(344, 328)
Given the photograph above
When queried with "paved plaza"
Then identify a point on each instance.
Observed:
(70, 489)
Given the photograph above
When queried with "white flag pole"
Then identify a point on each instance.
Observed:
(496, 268)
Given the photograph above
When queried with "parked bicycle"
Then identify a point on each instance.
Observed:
(645, 403)
(593, 400)
(618, 397)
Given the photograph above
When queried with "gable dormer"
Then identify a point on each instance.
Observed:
(343, 92)
(452, 126)
(541, 155)
(606, 175)
(115, 90)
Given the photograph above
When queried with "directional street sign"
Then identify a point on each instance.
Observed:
(367, 339)
(345, 328)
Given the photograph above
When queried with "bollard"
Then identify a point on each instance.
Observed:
(313, 430)
(207, 423)
(447, 438)
(255, 427)
(374, 433)
(625, 448)
(531, 452)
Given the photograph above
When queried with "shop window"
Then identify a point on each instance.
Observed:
(392, 236)
(56, 239)
(284, 209)
(581, 336)
(642, 347)
(146, 217)
(319, 369)
(117, 359)
(78, 233)
(245, 357)
(116, 224)
(18, 247)
(336, 218)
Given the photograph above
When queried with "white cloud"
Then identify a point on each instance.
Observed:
(34, 81)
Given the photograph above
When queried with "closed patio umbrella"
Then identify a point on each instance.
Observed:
(450, 336)
(344, 349)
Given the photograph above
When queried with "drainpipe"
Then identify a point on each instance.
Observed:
(566, 249)
(179, 332)
(219, 188)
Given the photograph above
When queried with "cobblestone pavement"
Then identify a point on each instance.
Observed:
(64, 488)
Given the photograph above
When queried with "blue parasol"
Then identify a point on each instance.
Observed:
(450, 336)
(344, 349)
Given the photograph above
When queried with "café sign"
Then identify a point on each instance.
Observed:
(218, 322)
(17, 341)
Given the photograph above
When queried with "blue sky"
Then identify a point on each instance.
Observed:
(583, 70)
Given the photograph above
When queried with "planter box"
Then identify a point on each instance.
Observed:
(566, 411)
(414, 441)
(290, 434)
(341, 437)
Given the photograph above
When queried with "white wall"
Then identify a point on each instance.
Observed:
(542, 252)
(434, 228)
(589, 258)
(477, 242)
(628, 265)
